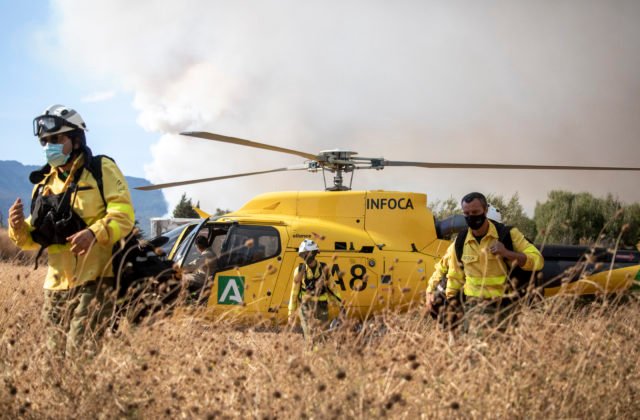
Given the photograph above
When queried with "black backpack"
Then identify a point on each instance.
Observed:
(53, 218)
(134, 259)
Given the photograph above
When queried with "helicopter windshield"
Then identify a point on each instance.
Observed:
(247, 244)
(214, 235)
(232, 245)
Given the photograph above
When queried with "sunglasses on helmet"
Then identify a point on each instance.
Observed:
(50, 124)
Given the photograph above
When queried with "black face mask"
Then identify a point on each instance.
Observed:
(475, 222)
(309, 257)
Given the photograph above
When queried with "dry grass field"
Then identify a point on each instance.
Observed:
(565, 359)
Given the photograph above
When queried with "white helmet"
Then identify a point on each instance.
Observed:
(307, 245)
(494, 214)
(57, 119)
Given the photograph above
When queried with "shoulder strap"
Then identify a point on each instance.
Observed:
(504, 235)
(459, 246)
(95, 168)
(36, 177)
(334, 295)
(36, 192)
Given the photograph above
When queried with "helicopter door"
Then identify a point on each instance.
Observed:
(404, 282)
(184, 244)
(200, 263)
(249, 266)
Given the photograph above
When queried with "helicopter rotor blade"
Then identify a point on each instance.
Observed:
(249, 143)
(502, 166)
(218, 178)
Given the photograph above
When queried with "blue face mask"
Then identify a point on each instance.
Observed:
(55, 156)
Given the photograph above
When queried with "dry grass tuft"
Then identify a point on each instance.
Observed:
(565, 359)
(11, 253)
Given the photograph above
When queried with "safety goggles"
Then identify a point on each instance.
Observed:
(45, 124)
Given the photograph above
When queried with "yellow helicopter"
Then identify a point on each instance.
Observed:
(380, 246)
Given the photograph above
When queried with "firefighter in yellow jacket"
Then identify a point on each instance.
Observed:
(81, 206)
(311, 291)
(441, 268)
(482, 271)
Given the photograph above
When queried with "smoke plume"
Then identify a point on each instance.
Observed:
(541, 82)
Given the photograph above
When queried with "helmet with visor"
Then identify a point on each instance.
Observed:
(57, 119)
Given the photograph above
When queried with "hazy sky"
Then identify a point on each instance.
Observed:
(531, 82)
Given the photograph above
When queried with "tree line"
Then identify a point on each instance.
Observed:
(185, 209)
(565, 218)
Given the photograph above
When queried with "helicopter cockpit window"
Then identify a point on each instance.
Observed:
(213, 241)
(249, 244)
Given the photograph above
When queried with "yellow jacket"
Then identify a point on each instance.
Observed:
(108, 224)
(484, 274)
(310, 273)
(440, 269)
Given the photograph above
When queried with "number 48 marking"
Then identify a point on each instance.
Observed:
(357, 283)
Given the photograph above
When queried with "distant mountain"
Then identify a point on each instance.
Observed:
(14, 182)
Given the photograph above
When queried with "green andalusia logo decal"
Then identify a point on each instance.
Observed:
(230, 290)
